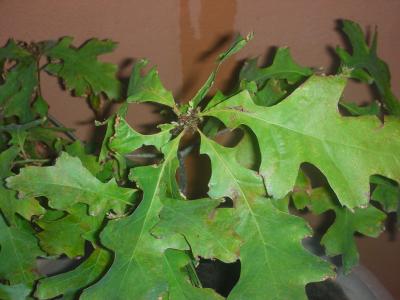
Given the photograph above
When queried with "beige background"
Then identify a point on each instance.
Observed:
(177, 35)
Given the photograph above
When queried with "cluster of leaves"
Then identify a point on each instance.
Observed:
(131, 227)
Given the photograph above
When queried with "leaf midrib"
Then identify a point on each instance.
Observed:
(252, 213)
(146, 216)
(307, 134)
(104, 192)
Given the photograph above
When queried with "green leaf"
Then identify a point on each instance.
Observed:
(40, 106)
(77, 149)
(269, 94)
(339, 239)
(14, 292)
(109, 123)
(18, 254)
(141, 255)
(237, 45)
(12, 51)
(217, 98)
(126, 140)
(20, 83)
(270, 253)
(301, 191)
(246, 183)
(6, 160)
(67, 235)
(115, 163)
(13, 127)
(283, 67)
(270, 85)
(18, 138)
(67, 183)
(272, 238)
(121, 139)
(208, 230)
(306, 127)
(373, 109)
(27, 134)
(247, 151)
(211, 127)
(175, 263)
(10, 205)
(80, 69)
(70, 283)
(147, 88)
(365, 65)
(95, 102)
(386, 192)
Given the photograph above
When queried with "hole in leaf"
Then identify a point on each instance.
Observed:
(198, 173)
(61, 264)
(145, 117)
(214, 129)
(248, 151)
(325, 290)
(359, 92)
(221, 277)
(229, 138)
(227, 203)
(316, 176)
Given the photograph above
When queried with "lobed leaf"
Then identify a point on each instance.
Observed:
(237, 45)
(147, 88)
(207, 229)
(272, 238)
(67, 183)
(80, 69)
(10, 205)
(139, 257)
(339, 238)
(68, 235)
(306, 127)
(126, 140)
(387, 193)
(20, 83)
(283, 67)
(366, 66)
(18, 253)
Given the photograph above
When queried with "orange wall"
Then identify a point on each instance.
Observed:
(177, 35)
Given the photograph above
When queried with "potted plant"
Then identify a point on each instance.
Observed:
(127, 225)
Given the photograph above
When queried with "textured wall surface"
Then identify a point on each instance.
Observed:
(182, 37)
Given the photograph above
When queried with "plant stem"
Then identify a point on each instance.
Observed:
(28, 161)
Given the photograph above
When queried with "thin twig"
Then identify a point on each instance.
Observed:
(57, 123)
